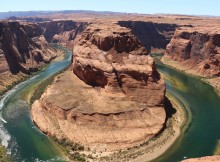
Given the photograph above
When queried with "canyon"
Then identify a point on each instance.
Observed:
(114, 101)
(196, 51)
(62, 31)
(154, 36)
(23, 50)
(112, 98)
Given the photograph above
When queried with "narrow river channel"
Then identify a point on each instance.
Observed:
(21, 137)
(202, 135)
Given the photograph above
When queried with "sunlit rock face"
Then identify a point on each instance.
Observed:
(197, 49)
(113, 99)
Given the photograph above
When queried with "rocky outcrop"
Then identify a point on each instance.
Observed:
(63, 32)
(154, 36)
(23, 46)
(23, 49)
(196, 49)
(115, 100)
(113, 58)
(204, 159)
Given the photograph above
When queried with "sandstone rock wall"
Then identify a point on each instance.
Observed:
(196, 49)
(110, 56)
(154, 36)
(23, 49)
(114, 101)
(63, 32)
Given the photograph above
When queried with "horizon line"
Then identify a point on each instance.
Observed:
(178, 14)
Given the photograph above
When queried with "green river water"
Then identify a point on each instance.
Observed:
(201, 135)
(26, 143)
(21, 137)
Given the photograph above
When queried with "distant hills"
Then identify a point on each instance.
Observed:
(5, 15)
(15, 14)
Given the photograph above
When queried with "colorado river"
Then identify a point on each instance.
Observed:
(203, 133)
(17, 131)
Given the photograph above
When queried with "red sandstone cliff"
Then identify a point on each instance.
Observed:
(119, 101)
(63, 32)
(196, 49)
(23, 47)
(110, 56)
(154, 36)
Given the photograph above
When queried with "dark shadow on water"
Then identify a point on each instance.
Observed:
(170, 111)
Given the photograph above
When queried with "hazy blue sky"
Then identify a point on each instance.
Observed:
(198, 7)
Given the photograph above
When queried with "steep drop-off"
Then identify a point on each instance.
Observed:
(63, 32)
(196, 49)
(154, 36)
(23, 49)
(114, 101)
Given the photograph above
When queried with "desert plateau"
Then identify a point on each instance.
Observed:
(109, 86)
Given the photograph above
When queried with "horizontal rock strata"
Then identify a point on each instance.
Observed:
(114, 101)
(196, 49)
(154, 36)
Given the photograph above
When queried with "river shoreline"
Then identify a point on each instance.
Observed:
(153, 148)
(213, 81)
(21, 77)
(157, 146)
(26, 96)
(166, 139)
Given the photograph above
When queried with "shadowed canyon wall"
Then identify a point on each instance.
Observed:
(154, 36)
(63, 32)
(23, 46)
(23, 49)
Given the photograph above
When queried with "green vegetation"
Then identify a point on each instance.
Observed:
(72, 149)
(9, 87)
(3, 155)
(43, 85)
(41, 88)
